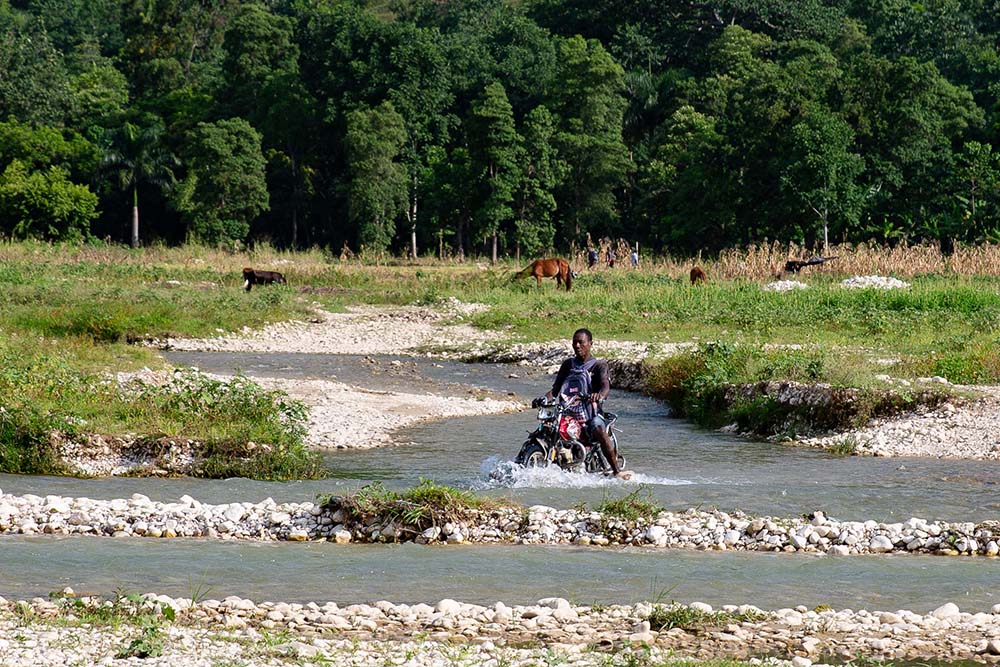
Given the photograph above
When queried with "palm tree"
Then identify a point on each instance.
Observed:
(136, 157)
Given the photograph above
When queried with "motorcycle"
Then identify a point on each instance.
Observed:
(560, 440)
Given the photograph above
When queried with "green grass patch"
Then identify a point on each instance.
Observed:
(427, 504)
(638, 504)
(667, 617)
(246, 431)
(846, 446)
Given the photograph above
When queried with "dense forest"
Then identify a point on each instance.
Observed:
(500, 126)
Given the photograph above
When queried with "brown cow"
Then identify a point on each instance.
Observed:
(547, 268)
(253, 277)
(698, 275)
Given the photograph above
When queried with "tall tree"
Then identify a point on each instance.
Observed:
(541, 171)
(823, 171)
(263, 85)
(589, 102)
(34, 84)
(421, 92)
(137, 157)
(976, 186)
(378, 181)
(495, 147)
(226, 186)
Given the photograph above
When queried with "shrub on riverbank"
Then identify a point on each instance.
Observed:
(775, 391)
(638, 504)
(690, 618)
(243, 430)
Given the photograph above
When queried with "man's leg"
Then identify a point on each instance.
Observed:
(599, 430)
(610, 454)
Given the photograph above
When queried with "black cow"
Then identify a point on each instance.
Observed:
(253, 277)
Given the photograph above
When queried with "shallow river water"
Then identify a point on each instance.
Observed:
(680, 465)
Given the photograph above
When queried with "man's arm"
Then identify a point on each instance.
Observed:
(600, 378)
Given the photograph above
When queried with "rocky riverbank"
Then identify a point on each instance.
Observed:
(139, 516)
(185, 633)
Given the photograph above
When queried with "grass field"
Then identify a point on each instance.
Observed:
(69, 316)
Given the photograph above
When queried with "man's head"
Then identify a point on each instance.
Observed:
(582, 340)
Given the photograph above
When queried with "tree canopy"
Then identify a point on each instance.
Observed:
(499, 126)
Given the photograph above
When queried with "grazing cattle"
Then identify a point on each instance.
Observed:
(253, 277)
(698, 275)
(547, 268)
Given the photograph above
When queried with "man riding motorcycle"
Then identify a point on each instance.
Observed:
(587, 376)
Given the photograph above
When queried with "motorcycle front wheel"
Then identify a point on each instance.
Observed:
(533, 456)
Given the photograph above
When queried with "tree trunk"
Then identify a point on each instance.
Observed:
(826, 237)
(413, 220)
(460, 241)
(135, 217)
(295, 199)
(494, 253)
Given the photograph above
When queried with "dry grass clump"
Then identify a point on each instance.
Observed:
(765, 261)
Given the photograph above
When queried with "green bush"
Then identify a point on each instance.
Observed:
(44, 204)
(26, 446)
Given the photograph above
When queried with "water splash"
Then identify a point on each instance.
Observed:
(495, 473)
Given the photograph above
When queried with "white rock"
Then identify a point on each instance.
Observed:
(947, 610)
(448, 606)
(880, 544)
(555, 603)
(655, 533)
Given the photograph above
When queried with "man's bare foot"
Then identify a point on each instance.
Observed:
(625, 474)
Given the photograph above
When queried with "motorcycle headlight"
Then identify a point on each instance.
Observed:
(547, 412)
